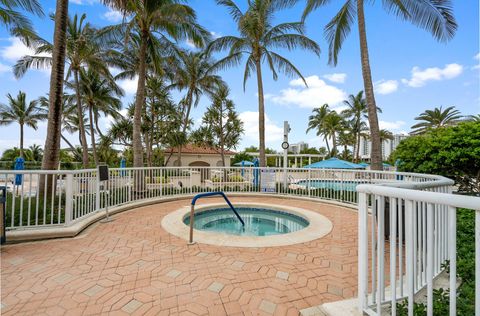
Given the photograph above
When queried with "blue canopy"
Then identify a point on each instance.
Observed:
(244, 163)
(335, 163)
(19, 165)
(364, 164)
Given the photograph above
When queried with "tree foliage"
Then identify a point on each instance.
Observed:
(453, 152)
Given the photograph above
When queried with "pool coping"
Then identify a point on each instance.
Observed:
(319, 227)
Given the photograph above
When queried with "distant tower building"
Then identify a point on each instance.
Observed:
(298, 147)
(388, 146)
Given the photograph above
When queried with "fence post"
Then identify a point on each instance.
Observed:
(68, 199)
(309, 188)
(362, 251)
(97, 194)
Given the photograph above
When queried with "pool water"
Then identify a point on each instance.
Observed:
(258, 221)
(320, 184)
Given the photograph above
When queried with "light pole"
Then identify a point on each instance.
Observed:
(285, 145)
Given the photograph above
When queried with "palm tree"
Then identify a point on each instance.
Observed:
(36, 152)
(99, 95)
(82, 49)
(14, 21)
(385, 135)
(333, 124)
(474, 118)
(316, 120)
(258, 38)
(433, 15)
(356, 111)
(18, 111)
(148, 20)
(193, 74)
(436, 118)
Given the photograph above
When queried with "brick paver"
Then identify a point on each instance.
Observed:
(133, 266)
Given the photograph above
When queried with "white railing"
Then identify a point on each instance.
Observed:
(78, 194)
(407, 221)
(406, 238)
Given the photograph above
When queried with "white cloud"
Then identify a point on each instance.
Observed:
(215, 34)
(113, 16)
(129, 85)
(336, 77)
(4, 68)
(386, 86)
(391, 126)
(15, 50)
(317, 93)
(273, 132)
(476, 57)
(421, 77)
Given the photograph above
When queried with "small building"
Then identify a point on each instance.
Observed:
(197, 156)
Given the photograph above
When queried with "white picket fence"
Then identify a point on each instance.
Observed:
(420, 208)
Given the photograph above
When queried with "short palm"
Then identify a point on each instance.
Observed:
(22, 112)
(436, 118)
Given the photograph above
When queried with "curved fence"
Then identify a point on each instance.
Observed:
(406, 220)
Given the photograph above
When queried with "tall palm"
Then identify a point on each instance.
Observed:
(436, 118)
(51, 156)
(258, 39)
(99, 95)
(316, 122)
(22, 112)
(150, 20)
(434, 16)
(83, 49)
(14, 21)
(193, 75)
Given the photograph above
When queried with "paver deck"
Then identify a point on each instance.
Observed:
(133, 266)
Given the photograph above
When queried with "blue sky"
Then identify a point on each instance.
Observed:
(412, 72)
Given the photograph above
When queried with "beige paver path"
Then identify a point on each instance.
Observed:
(132, 266)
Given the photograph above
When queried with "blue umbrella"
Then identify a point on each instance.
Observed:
(19, 165)
(335, 163)
(244, 163)
(256, 163)
(123, 165)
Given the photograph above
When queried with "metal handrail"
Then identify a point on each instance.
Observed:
(207, 194)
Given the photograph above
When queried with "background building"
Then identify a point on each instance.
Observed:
(388, 146)
(298, 147)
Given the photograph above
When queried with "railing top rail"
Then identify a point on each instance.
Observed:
(461, 201)
(414, 181)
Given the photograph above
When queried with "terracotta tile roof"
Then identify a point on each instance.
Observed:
(199, 150)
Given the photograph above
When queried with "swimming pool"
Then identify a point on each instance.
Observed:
(258, 221)
(332, 185)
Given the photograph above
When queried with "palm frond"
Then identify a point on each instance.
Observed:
(338, 29)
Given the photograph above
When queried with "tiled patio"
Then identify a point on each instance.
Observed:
(132, 266)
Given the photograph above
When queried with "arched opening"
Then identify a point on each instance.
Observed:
(203, 171)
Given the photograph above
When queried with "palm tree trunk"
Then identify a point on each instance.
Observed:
(357, 149)
(261, 113)
(137, 117)
(21, 141)
(92, 135)
(334, 148)
(139, 104)
(99, 131)
(326, 142)
(188, 108)
(51, 154)
(376, 155)
(81, 127)
(70, 145)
